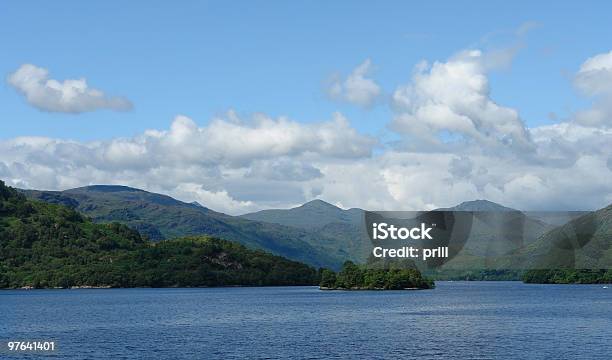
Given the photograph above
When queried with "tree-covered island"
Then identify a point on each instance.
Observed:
(362, 277)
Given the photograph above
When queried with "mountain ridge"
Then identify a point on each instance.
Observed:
(316, 232)
(161, 217)
(45, 245)
(313, 214)
(479, 205)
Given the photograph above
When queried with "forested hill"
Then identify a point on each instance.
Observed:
(584, 243)
(47, 245)
(160, 217)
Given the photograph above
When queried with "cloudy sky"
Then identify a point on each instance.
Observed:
(253, 105)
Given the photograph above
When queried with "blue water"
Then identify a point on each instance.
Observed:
(457, 320)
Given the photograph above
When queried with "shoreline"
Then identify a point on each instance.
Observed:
(88, 287)
(321, 288)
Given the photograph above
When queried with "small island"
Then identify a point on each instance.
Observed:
(361, 277)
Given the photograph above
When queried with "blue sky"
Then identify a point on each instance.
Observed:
(202, 58)
(368, 124)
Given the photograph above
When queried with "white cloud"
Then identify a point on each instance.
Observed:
(284, 169)
(578, 178)
(357, 88)
(595, 75)
(461, 167)
(450, 101)
(218, 200)
(237, 142)
(227, 151)
(595, 79)
(69, 96)
(459, 145)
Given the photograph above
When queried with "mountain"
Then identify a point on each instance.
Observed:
(316, 232)
(496, 229)
(337, 230)
(314, 214)
(578, 251)
(161, 217)
(479, 205)
(582, 243)
(47, 245)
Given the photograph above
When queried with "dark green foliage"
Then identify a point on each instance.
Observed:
(476, 275)
(355, 277)
(350, 276)
(568, 276)
(203, 261)
(46, 245)
(328, 278)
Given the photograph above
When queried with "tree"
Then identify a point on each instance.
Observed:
(328, 278)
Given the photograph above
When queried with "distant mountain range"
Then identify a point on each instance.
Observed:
(582, 243)
(312, 215)
(162, 217)
(495, 230)
(339, 231)
(317, 232)
(478, 205)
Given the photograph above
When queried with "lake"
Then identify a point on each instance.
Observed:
(457, 320)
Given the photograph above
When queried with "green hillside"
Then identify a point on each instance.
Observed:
(311, 215)
(577, 252)
(502, 241)
(479, 205)
(583, 243)
(162, 217)
(338, 231)
(48, 245)
(496, 230)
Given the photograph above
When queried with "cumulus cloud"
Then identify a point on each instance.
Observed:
(595, 79)
(68, 96)
(357, 88)
(459, 145)
(390, 180)
(450, 101)
(219, 200)
(595, 75)
(223, 152)
(461, 167)
(284, 169)
(237, 142)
